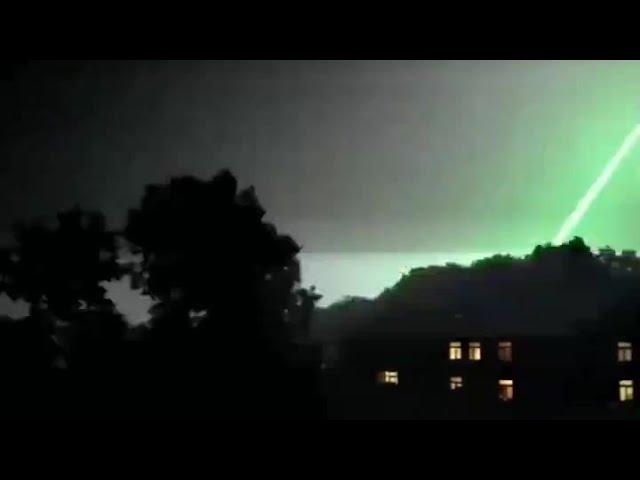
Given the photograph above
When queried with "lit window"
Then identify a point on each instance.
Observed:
(388, 377)
(624, 351)
(626, 390)
(455, 383)
(474, 351)
(505, 390)
(455, 351)
(504, 351)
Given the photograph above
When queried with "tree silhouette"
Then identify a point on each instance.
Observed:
(553, 289)
(202, 243)
(301, 310)
(206, 248)
(60, 269)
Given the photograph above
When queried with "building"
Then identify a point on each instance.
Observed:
(552, 336)
(486, 377)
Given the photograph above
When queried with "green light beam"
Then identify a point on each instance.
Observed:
(594, 190)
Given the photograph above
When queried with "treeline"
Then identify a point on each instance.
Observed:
(227, 335)
(556, 289)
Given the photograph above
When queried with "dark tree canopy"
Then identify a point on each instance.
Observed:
(554, 289)
(207, 252)
(61, 267)
(203, 241)
(228, 335)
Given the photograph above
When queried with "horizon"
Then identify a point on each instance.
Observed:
(332, 273)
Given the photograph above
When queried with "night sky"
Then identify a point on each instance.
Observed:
(373, 166)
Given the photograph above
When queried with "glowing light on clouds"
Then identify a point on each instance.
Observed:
(594, 190)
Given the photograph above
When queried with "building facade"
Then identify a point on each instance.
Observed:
(485, 377)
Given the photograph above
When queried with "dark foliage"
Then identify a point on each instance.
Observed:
(206, 250)
(61, 267)
(227, 336)
(554, 290)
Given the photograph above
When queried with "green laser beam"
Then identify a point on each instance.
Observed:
(585, 202)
